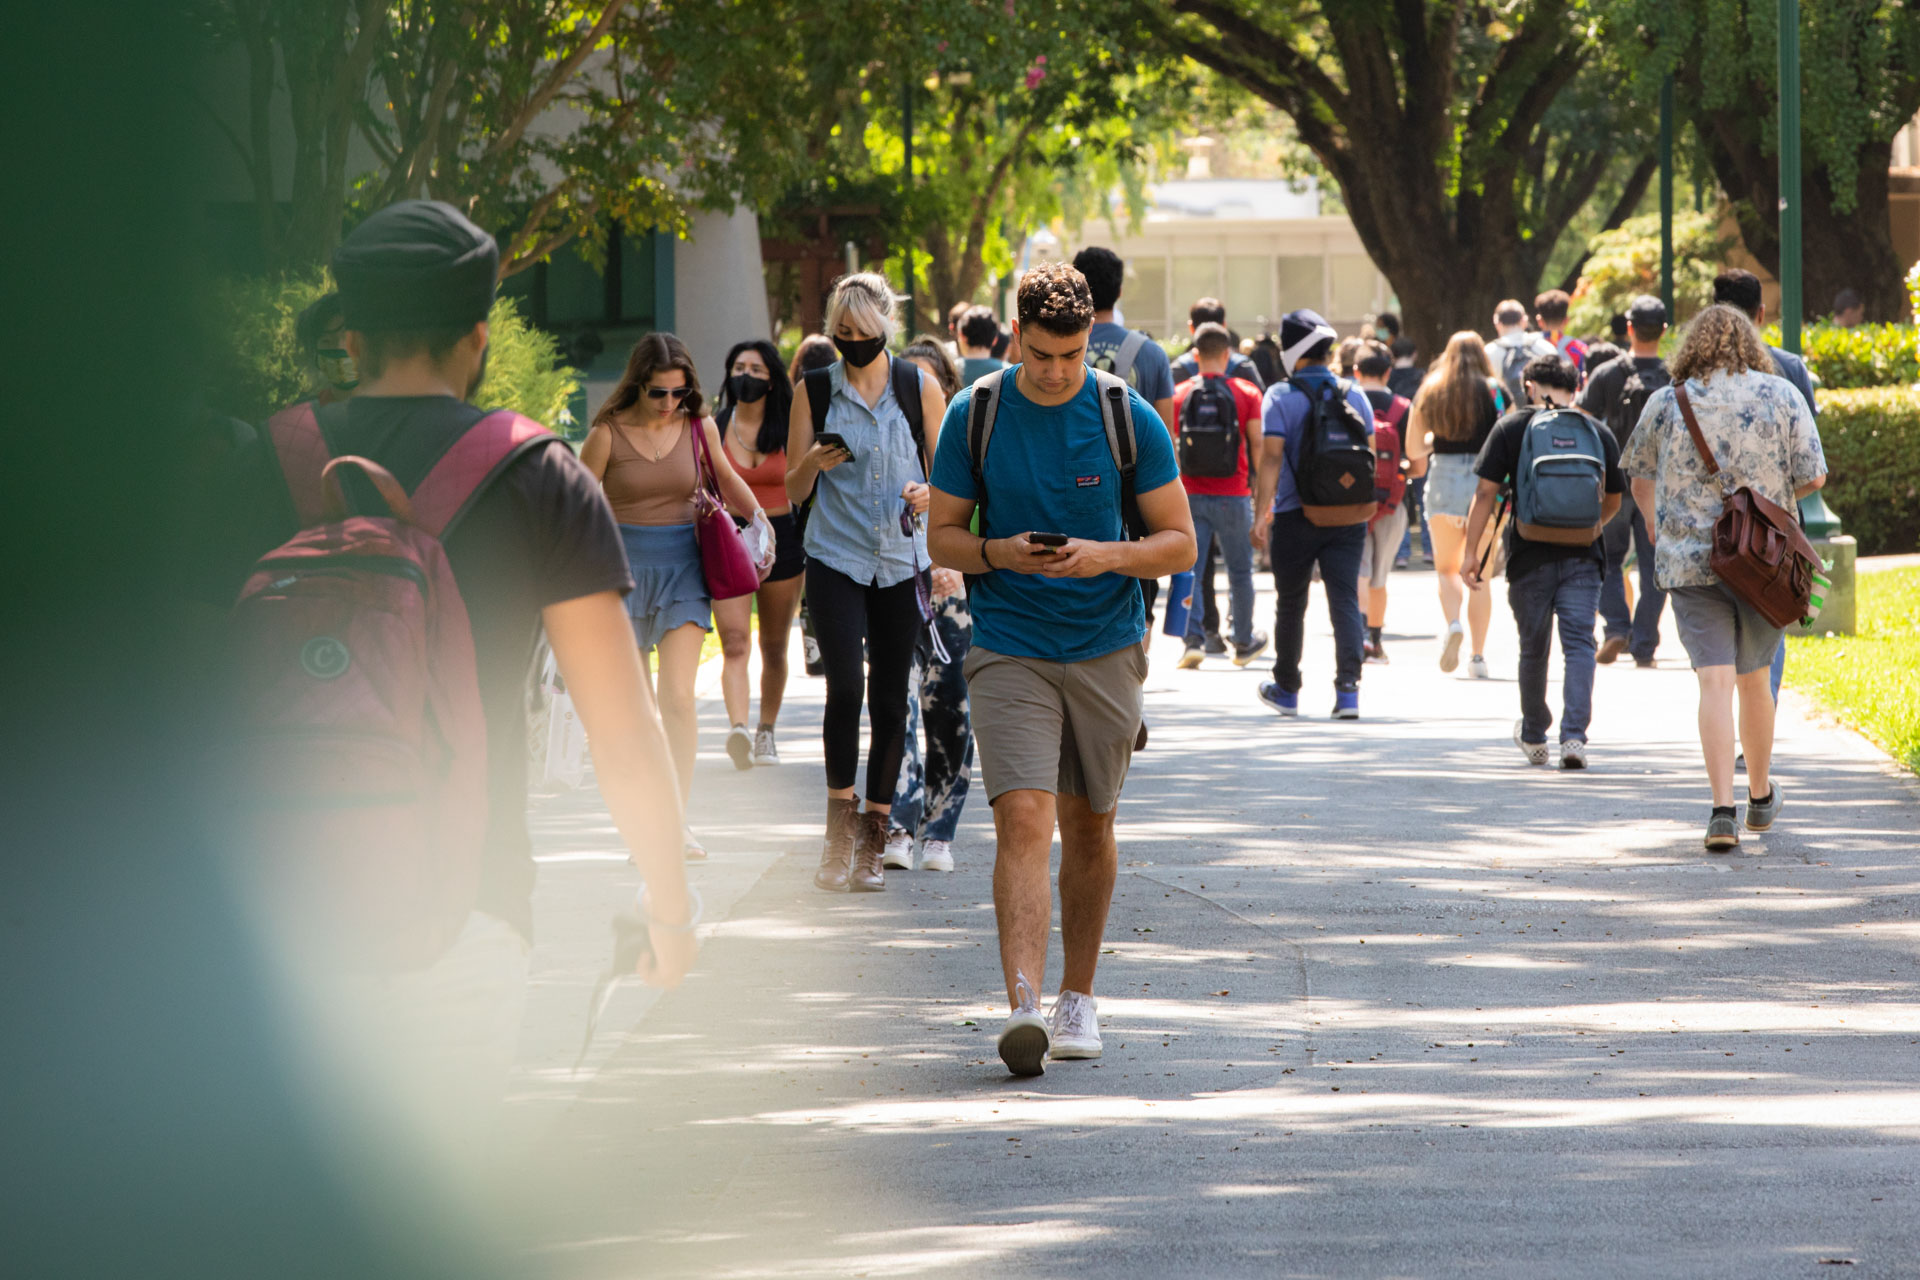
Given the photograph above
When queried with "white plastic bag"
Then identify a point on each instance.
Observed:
(760, 544)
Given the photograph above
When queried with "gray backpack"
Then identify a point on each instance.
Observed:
(1116, 414)
(1124, 357)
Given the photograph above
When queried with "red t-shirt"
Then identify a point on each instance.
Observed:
(1246, 397)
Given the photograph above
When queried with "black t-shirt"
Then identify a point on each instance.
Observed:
(1500, 458)
(541, 533)
(1405, 380)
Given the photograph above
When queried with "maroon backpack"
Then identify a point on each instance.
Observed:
(362, 769)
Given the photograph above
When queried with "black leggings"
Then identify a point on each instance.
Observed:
(887, 619)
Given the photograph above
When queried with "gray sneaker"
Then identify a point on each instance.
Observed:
(1761, 816)
(1723, 833)
(764, 750)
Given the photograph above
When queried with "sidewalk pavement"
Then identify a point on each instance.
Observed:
(1378, 1000)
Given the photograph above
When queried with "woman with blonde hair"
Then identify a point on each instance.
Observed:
(648, 446)
(1763, 437)
(866, 548)
(1456, 406)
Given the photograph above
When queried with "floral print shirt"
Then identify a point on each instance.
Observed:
(1762, 436)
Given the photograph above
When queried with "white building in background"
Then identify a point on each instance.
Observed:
(1262, 247)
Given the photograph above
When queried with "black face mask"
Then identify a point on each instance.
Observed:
(747, 388)
(860, 352)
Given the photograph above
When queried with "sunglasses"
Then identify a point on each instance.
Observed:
(661, 393)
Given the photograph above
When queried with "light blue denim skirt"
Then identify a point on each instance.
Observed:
(669, 589)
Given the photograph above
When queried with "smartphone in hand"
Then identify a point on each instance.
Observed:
(1046, 544)
(834, 440)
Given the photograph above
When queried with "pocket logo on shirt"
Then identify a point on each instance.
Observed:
(1086, 482)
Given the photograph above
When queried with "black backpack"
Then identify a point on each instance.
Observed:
(906, 389)
(1634, 394)
(1335, 466)
(1210, 440)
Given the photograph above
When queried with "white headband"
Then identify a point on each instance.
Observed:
(1290, 356)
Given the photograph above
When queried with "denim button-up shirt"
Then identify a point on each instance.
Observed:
(854, 527)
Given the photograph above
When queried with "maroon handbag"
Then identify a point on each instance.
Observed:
(1759, 548)
(724, 562)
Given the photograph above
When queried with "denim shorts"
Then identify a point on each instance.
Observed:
(1720, 629)
(1450, 485)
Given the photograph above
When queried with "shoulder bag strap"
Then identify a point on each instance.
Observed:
(1693, 429)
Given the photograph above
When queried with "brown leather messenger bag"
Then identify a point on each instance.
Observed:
(1759, 549)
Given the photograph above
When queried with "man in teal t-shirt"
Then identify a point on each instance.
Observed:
(1054, 675)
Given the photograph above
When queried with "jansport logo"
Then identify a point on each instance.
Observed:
(1086, 482)
(1560, 442)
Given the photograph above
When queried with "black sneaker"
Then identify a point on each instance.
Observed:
(1245, 653)
(1216, 645)
(1190, 657)
(1760, 815)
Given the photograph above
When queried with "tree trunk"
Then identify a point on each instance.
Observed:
(1838, 250)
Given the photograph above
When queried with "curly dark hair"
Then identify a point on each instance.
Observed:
(1055, 297)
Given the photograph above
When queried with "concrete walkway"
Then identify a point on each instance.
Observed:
(1379, 1001)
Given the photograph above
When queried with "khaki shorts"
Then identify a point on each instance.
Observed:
(1063, 727)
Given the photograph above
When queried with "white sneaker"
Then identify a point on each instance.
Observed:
(899, 851)
(764, 752)
(1477, 668)
(1023, 1041)
(1450, 651)
(740, 747)
(936, 855)
(1535, 752)
(1074, 1027)
(1573, 754)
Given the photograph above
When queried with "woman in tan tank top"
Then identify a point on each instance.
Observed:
(641, 447)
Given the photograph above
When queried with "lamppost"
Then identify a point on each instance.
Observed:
(1790, 305)
(906, 180)
(1666, 194)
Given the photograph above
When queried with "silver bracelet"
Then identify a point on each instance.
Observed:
(646, 912)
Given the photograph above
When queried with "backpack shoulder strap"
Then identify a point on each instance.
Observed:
(474, 461)
(1129, 352)
(819, 383)
(983, 409)
(1116, 415)
(294, 435)
(906, 389)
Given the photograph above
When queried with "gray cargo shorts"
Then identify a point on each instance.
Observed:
(1719, 629)
(1063, 727)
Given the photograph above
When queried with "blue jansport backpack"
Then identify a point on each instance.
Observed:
(1561, 481)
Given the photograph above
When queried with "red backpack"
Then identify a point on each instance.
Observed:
(1389, 481)
(363, 763)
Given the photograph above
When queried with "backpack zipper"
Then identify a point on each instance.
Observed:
(391, 566)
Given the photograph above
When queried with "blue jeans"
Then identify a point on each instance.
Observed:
(1570, 590)
(1231, 520)
(1629, 529)
(933, 788)
(1294, 546)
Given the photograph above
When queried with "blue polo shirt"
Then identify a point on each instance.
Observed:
(1049, 469)
(1285, 412)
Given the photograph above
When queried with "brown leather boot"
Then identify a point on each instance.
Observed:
(836, 850)
(871, 843)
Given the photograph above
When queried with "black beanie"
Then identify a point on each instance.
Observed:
(418, 264)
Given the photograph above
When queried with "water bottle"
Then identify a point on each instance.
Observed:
(1179, 604)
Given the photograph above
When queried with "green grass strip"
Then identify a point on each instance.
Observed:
(1870, 681)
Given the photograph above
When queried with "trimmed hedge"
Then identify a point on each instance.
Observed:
(255, 370)
(1872, 442)
(1867, 355)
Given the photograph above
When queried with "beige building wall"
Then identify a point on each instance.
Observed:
(1261, 268)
